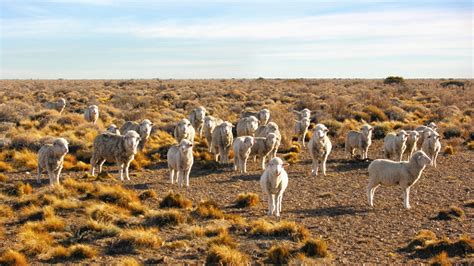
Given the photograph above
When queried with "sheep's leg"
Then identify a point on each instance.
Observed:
(324, 165)
(58, 173)
(369, 195)
(263, 162)
(93, 164)
(51, 176)
(226, 155)
(180, 178)
(38, 177)
(101, 163)
(434, 159)
(187, 177)
(236, 163)
(172, 175)
(244, 164)
(270, 205)
(126, 170)
(121, 170)
(406, 198)
(372, 195)
(278, 208)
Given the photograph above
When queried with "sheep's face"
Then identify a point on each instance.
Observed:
(113, 129)
(252, 123)
(321, 130)
(145, 128)
(275, 166)
(131, 140)
(402, 135)
(227, 128)
(271, 139)
(272, 127)
(433, 126)
(249, 141)
(305, 113)
(421, 158)
(413, 135)
(200, 114)
(264, 114)
(185, 146)
(367, 130)
(60, 146)
(184, 125)
(434, 136)
(209, 122)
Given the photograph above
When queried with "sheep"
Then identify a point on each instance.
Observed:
(246, 126)
(263, 115)
(196, 117)
(113, 129)
(263, 147)
(58, 105)
(242, 147)
(425, 131)
(301, 129)
(359, 140)
(91, 114)
(319, 148)
(305, 113)
(143, 129)
(412, 140)
(184, 130)
(210, 124)
(390, 173)
(395, 144)
(180, 160)
(431, 146)
(222, 139)
(51, 158)
(274, 181)
(263, 131)
(115, 148)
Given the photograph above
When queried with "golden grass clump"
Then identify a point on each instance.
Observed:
(74, 252)
(225, 255)
(140, 161)
(288, 229)
(291, 157)
(116, 194)
(470, 146)
(279, 255)
(148, 194)
(14, 258)
(130, 262)
(50, 224)
(35, 213)
(451, 213)
(426, 244)
(247, 199)
(3, 178)
(209, 210)
(25, 159)
(105, 212)
(175, 200)
(222, 238)
(34, 242)
(442, 259)
(5, 167)
(78, 186)
(20, 189)
(449, 150)
(163, 218)
(101, 228)
(315, 248)
(129, 240)
(72, 164)
(5, 211)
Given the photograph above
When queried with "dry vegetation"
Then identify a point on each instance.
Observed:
(221, 217)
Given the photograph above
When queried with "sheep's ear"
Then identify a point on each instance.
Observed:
(286, 164)
(326, 130)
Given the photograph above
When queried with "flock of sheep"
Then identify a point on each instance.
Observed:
(257, 137)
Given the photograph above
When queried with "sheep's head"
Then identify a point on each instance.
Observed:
(421, 158)
(367, 130)
(185, 146)
(271, 139)
(433, 126)
(145, 128)
(305, 113)
(275, 166)
(252, 123)
(94, 110)
(402, 135)
(209, 122)
(113, 129)
(184, 125)
(227, 128)
(131, 141)
(60, 147)
(321, 130)
(249, 141)
(264, 114)
(434, 136)
(200, 113)
(272, 126)
(413, 135)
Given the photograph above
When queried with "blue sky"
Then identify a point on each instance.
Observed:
(93, 39)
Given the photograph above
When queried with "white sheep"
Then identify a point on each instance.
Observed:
(432, 146)
(115, 148)
(263, 147)
(242, 147)
(390, 173)
(425, 131)
(274, 181)
(113, 129)
(319, 148)
(91, 114)
(196, 117)
(263, 131)
(58, 105)
(246, 126)
(180, 160)
(301, 129)
(143, 129)
(263, 115)
(305, 113)
(412, 141)
(222, 140)
(51, 159)
(359, 140)
(184, 130)
(210, 124)
(395, 144)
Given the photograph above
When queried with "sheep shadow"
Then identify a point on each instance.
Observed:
(343, 165)
(333, 211)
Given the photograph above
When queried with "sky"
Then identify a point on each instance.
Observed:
(189, 39)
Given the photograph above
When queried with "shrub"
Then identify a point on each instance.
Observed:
(12, 257)
(395, 113)
(279, 255)
(209, 210)
(376, 114)
(25, 158)
(224, 255)
(288, 229)
(75, 252)
(164, 218)
(130, 240)
(5, 167)
(34, 242)
(175, 200)
(449, 150)
(3, 178)
(223, 238)
(452, 132)
(394, 80)
(247, 200)
(148, 194)
(291, 157)
(315, 248)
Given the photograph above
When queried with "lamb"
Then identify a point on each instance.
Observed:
(51, 158)
(395, 144)
(91, 114)
(412, 140)
(431, 146)
(180, 160)
(390, 173)
(301, 129)
(247, 126)
(196, 117)
(222, 139)
(58, 105)
(274, 181)
(305, 113)
(242, 148)
(115, 148)
(263, 131)
(143, 129)
(210, 124)
(359, 140)
(184, 130)
(113, 129)
(263, 115)
(425, 131)
(263, 147)
(319, 148)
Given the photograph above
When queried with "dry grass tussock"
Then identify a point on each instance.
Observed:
(131, 240)
(209, 210)
(426, 245)
(286, 229)
(247, 199)
(225, 255)
(12, 257)
(175, 200)
(451, 213)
